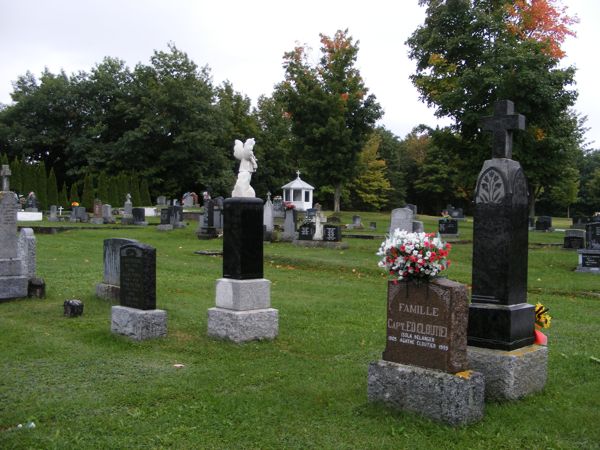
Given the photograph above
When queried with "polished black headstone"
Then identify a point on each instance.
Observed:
(243, 238)
(448, 226)
(332, 233)
(592, 235)
(138, 276)
(306, 232)
(573, 242)
(165, 216)
(139, 215)
(499, 315)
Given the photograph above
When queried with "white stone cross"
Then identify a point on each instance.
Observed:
(60, 210)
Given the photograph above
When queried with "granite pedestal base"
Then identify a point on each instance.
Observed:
(243, 326)
(164, 227)
(97, 220)
(243, 311)
(510, 375)
(13, 287)
(125, 220)
(107, 291)
(454, 399)
(138, 324)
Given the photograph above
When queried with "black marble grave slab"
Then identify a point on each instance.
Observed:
(138, 276)
(243, 238)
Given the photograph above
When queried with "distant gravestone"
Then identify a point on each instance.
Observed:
(109, 288)
(177, 216)
(97, 219)
(357, 222)
(107, 215)
(332, 233)
(402, 218)
(31, 204)
(139, 216)
(579, 222)
(592, 234)
(207, 228)
(574, 239)
(278, 208)
(306, 232)
(27, 251)
(543, 223)
(53, 214)
(455, 213)
(589, 257)
(289, 225)
(165, 220)
(161, 200)
(127, 217)
(418, 226)
(188, 200)
(448, 227)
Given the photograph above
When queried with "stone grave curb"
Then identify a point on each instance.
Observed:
(138, 324)
(454, 399)
(510, 375)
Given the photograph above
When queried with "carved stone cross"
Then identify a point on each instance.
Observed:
(502, 124)
(5, 174)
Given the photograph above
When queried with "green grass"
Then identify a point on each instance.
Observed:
(86, 388)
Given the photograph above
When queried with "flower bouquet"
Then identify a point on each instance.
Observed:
(413, 256)
(542, 320)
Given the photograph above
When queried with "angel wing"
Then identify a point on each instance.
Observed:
(238, 149)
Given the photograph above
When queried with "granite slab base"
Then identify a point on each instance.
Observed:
(138, 324)
(97, 220)
(15, 286)
(243, 326)
(107, 291)
(243, 295)
(164, 227)
(510, 375)
(453, 399)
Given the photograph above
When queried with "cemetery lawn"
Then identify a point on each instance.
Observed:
(85, 388)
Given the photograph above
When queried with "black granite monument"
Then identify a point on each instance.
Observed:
(138, 276)
(243, 238)
(499, 315)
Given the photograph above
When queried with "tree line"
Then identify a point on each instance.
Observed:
(168, 125)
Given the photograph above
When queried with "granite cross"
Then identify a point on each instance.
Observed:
(501, 124)
(5, 174)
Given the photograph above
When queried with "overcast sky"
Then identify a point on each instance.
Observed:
(244, 41)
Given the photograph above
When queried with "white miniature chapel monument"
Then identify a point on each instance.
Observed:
(243, 297)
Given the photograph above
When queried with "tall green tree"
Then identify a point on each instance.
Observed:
(74, 193)
(52, 189)
(16, 179)
(469, 54)
(88, 193)
(331, 112)
(371, 186)
(41, 185)
(103, 188)
(145, 198)
(63, 199)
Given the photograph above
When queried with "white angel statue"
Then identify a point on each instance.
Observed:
(248, 164)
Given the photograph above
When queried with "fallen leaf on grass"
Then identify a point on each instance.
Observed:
(178, 366)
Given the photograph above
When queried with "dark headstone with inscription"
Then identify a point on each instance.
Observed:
(243, 238)
(592, 235)
(138, 276)
(306, 232)
(332, 233)
(139, 216)
(574, 239)
(589, 257)
(448, 227)
(499, 315)
(427, 324)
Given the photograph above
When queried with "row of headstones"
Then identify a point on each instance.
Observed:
(17, 250)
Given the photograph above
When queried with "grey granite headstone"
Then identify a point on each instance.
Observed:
(81, 214)
(418, 226)
(402, 218)
(127, 217)
(289, 225)
(27, 252)
(109, 288)
(53, 217)
(161, 200)
(107, 216)
(97, 219)
(268, 215)
(13, 282)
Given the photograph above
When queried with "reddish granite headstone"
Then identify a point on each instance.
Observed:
(427, 324)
